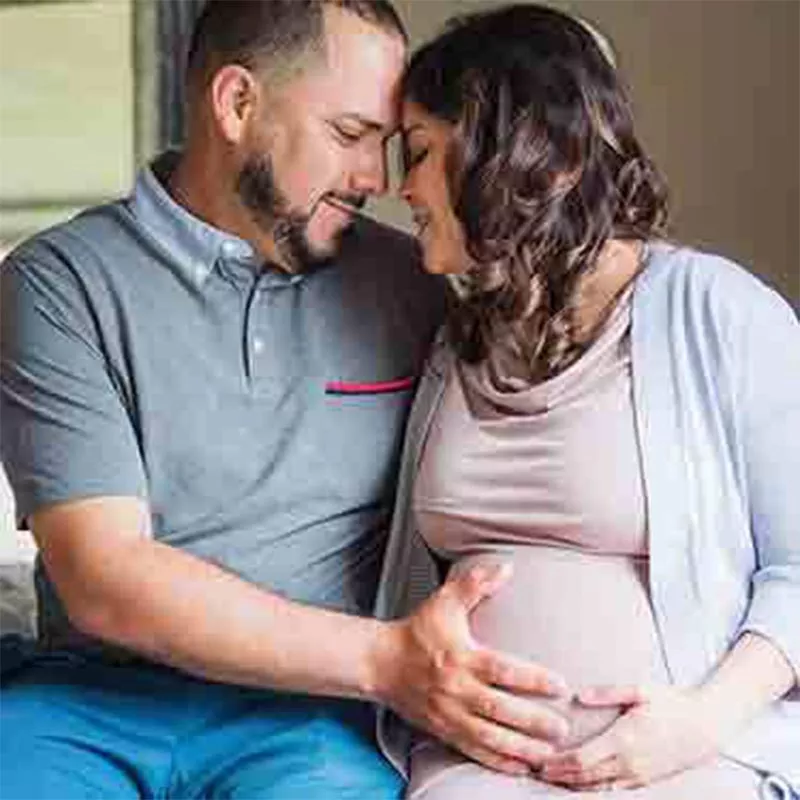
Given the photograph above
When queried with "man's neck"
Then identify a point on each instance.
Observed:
(194, 184)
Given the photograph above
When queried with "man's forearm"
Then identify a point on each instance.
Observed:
(174, 608)
(121, 586)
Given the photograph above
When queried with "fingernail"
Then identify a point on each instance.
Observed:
(479, 573)
(499, 570)
(561, 731)
(548, 751)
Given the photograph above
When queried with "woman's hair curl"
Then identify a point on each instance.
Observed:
(543, 169)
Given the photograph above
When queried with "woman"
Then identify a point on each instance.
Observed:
(617, 417)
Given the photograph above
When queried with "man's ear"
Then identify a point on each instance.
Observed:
(233, 100)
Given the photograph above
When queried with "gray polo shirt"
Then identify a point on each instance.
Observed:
(260, 414)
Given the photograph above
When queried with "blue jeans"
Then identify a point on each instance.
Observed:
(75, 727)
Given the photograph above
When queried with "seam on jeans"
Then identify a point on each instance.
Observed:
(177, 784)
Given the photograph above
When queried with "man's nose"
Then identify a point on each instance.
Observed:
(369, 175)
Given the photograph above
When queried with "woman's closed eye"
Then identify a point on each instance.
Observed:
(413, 157)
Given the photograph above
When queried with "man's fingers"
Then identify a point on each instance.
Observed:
(601, 696)
(531, 717)
(517, 675)
(481, 736)
(477, 583)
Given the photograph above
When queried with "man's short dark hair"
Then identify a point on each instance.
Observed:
(262, 33)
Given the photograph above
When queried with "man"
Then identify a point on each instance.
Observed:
(203, 391)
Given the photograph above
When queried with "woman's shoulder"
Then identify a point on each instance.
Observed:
(707, 282)
(697, 269)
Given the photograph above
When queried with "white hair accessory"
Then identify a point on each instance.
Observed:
(601, 40)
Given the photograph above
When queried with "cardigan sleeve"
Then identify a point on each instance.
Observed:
(769, 404)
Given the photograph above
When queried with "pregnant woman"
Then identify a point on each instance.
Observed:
(615, 417)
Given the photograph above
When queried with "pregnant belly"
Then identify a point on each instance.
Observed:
(583, 615)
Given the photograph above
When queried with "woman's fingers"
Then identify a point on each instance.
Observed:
(575, 765)
(598, 776)
(604, 696)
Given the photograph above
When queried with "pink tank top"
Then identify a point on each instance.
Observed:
(549, 478)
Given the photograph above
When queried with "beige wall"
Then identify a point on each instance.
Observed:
(66, 110)
(716, 85)
(66, 127)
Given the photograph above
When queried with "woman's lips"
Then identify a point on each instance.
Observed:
(421, 220)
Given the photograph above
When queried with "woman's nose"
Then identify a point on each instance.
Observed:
(405, 190)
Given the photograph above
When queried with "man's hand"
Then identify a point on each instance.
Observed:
(481, 702)
(664, 731)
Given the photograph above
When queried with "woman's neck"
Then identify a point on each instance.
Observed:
(619, 262)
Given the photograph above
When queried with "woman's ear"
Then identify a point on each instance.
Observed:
(233, 98)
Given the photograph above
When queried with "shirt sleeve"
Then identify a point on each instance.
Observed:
(65, 431)
(770, 406)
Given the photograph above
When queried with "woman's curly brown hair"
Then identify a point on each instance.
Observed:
(543, 169)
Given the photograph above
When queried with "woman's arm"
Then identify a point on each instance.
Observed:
(752, 676)
(667, 729)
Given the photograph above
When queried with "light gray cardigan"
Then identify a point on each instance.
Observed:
(716, 382)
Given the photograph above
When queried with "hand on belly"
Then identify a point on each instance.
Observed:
(583, 615)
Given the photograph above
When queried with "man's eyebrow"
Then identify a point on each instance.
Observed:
(371, 124)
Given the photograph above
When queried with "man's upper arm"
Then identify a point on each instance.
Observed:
(83, 544)
(65, 431)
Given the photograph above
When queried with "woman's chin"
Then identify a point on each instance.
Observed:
(434, 267)
(435, 264)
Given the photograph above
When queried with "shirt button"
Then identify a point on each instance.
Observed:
(258, 345)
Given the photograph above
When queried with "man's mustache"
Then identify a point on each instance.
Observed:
(350, 201)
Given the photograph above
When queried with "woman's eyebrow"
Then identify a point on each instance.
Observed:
(417, 126)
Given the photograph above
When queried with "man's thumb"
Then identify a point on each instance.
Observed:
(479, 582)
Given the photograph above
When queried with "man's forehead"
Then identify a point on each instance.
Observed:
(359, 78)
(350, 40)
(338, 21)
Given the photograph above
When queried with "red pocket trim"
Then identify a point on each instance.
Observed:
(379, 387)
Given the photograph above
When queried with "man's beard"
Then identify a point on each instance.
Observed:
(272, 212)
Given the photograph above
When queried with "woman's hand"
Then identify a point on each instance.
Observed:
(664, 730)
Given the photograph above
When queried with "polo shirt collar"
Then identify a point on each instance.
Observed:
(195, 246)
